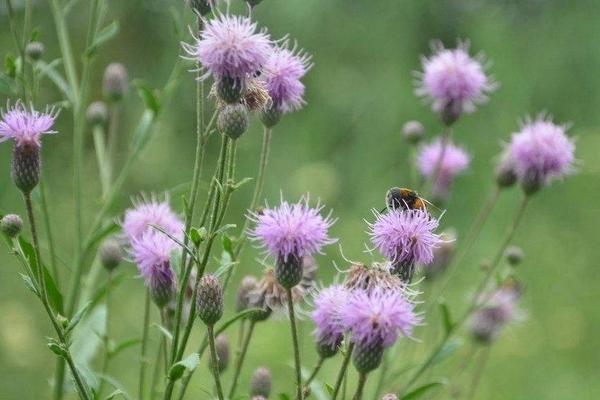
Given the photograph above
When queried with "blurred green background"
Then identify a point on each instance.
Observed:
(345, 148)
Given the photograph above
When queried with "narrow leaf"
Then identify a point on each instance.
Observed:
(447, 350)
(446, 318)
(77, 317)
(106, 34)
(421, 390)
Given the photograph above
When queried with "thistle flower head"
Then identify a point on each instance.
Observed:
(405, 235)
(542, 151)
(444, 163)
(282, 73)
(231, 46)
(210, 299)
(454, 80)
(378, 317)
(26, 125)
(292, 230)
(370, 278)
(148, 212)
(327, 315)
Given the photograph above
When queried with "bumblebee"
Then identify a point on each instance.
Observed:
(404, 198)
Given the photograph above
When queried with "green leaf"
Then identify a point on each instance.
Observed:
(57, 348)
(189, 363)
(29, 284)
(233, 319)
(447, 350)
(49, 69)
(103, 232)
(101, 291)
(119, 347)
(164, 331)
(227, 245)
(86, 336)
(198, 235)
(114, 395)
(329, 389)
(10, 65)
(148, 95)
(446, 318)
(421, 390)
(77, 317)
(225, 264)
(106, 34)
(283, 396)
(141, 135)
(54, 295)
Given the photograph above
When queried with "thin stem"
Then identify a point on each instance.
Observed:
(106, 334)
(161, 351)
(342, 371)
(113, 138)
(215, 361)
(18, 44)
(48, 229)
(290, 302)
(65, 48)
(314, 372)
(240, 360)
(143, 360)
(478, 373)
(382, 374)
(362, 379)
(102, 158)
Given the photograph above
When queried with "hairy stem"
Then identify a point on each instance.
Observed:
(215, 361)
(240, 360)
(143, 355)
(342, 372)
(315, 371)
(362, 379)
(106, 338)
(290, 302)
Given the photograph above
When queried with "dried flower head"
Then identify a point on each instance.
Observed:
(26, 125)
(292, 230)
(246, 288)
(541, 151)
(254, 96)
(370, 278)
(282, 73)
(230, 46)
(330, 328)
(453, 80)
(273, 293)
(443, 163)
(148, 212)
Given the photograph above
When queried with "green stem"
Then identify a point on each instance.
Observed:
(65, 48)
(48, 229)
(240, 360)
(18, 44)
(155, 374)
(342, 371)
(113, 139)
(290, 302)
(362, 379)
(143, 355)
(382, 373)
(102, 159)
(478, 373)
(215, 361)
(106, 335)
(314, 372)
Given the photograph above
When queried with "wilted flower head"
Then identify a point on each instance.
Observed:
(327, 315)
(453, 80)
(26, 125)
(282, 73)
(443, 163)
(370, 278)
(378, 317)
(295, 230)
(541, 151)
(231, 46)
(273, 294)
(147, 212)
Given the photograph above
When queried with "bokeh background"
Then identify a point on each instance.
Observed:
(345, 148)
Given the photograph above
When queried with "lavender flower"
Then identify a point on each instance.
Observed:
(454, 81)
(152, 253)
(541, 152)
(375, 321)
(282, 73)
(329, 330)
(230, 46)
(405, 237)
(26, 125)
(443, 164)
(147, 212)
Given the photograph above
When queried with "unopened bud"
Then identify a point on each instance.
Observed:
(531, 183)
(210, 299)
(451, 112)
(222, 349)
(261, 382)
(162, 285)
(11, 225)
(111, 254)
(327, 350)
(270, 117)
(97, 113)
(505, 171)
(367, 356)
(115, 82)
(413, 132)
(26, 166)
(233, 120)
(514, 255)
(34, 50)
(244, 293)
(229, 90)
(288, 270)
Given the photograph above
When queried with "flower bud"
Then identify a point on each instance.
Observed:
(210, 299)
(413, 132)
(233, 120)
(289, 271)
(326, 350)
(242, 299)
(389, 396)
(270, 117)
(162, 285)
(115, 82)
(229, 90)
(258, 300)
(222, 349)
(367, 356)
(111, 254)
(97, 113)
(11, 225)
(450, 112)
(505, 172)
(34, 50)
(514, 255)
(26, 166)
(531, 183)
(260, 384)
(202, 7)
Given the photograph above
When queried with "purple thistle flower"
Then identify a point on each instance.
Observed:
(405, 236)
(152, 253)
(230, 46)
(379, 317)
(282, 73)
(26, 125)
(328, 305)
(292, 230)
(451, 78)
(541, 151)
(446, 163)
(495, 313)
(146, 212)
